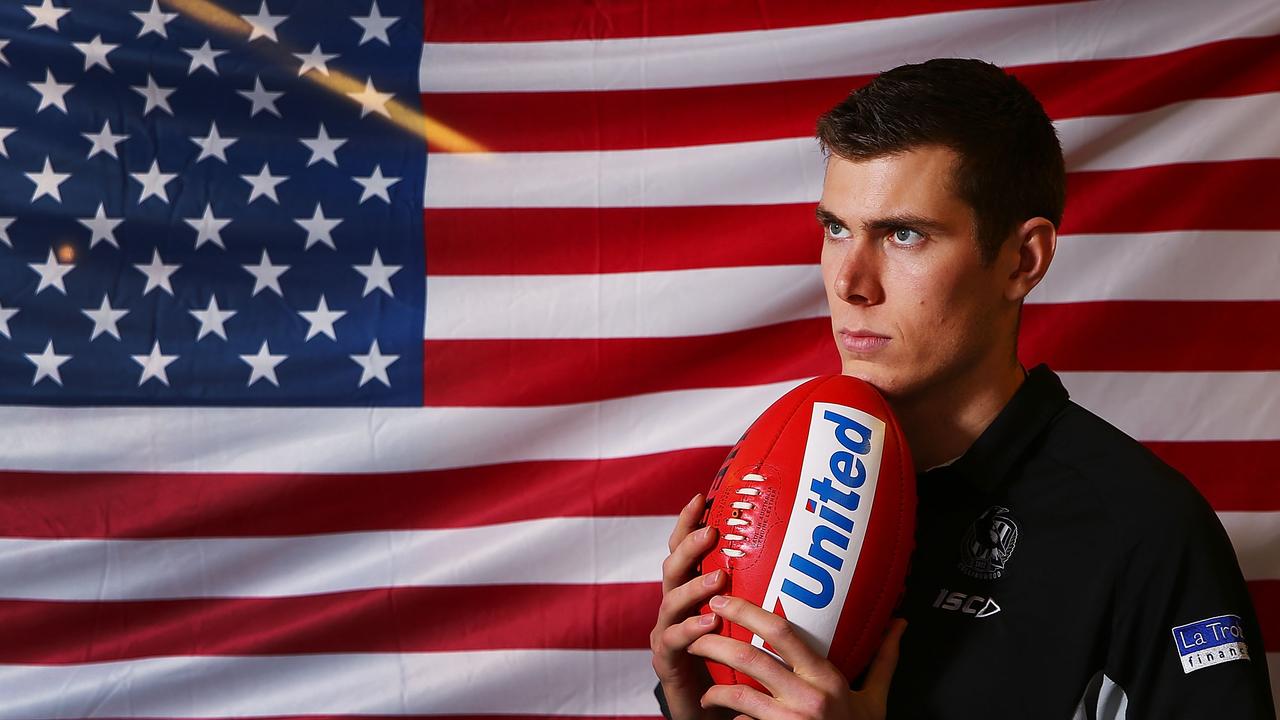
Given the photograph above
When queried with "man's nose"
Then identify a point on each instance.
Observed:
(858, 279)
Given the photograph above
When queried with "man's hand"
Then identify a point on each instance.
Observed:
(813, 689)
(684, 677)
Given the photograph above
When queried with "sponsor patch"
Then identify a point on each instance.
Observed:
(1209, 642)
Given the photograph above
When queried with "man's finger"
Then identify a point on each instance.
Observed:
(775, 630)
(747, 700)
(681, 564)
(683, 601)
(748, 660)
(686, 522)
(876, 686)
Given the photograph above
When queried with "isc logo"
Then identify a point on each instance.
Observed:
(828, 521)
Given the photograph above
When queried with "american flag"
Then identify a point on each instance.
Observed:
(236, 484)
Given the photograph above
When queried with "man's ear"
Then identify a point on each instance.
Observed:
(1027, 256)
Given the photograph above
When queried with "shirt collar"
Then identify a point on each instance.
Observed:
(988, 461)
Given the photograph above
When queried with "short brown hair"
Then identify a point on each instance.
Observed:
(1010, 164)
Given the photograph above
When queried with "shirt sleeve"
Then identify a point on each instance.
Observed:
(1185, 638)
(662, 701)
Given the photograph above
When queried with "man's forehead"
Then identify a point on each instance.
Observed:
(900, 182)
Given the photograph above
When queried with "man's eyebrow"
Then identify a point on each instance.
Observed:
(888, 222)
(825, 216)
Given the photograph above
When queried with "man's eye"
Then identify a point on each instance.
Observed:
(905, 236)
(836, 230)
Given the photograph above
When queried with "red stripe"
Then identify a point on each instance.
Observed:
(496, 617)
(517, 21)
(554, 372)
(438, 619)
(1111, 336)
(674, 117)
(1231, 195)
(157, 505)
(1237, 195)
(1140, 336)
(1266, 601)
(1232, 475)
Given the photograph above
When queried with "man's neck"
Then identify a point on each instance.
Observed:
(942, 423)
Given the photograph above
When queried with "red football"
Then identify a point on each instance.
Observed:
(816, 508)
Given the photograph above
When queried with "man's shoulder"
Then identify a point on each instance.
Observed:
(1121, 471)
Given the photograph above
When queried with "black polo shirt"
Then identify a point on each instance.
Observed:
(1062, 570)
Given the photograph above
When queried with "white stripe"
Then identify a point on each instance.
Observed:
(1007, 36)
(550, 550)
(1162, 266)
(516, 682)
(615, 305)
(787, 170)
(790, 170)
(1256, 539)
(1149, 406)
(331, 440)
(1177, 406)
(546, 551)
(707, 301)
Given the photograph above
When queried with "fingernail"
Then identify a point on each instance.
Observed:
(719, 601)
(711, 579)
(706, 619)
(693, 500)
(705, 533)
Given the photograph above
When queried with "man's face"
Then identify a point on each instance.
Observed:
(899, 260)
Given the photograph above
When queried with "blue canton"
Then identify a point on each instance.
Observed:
(211, 204)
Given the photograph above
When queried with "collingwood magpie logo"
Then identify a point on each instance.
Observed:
(988, 543)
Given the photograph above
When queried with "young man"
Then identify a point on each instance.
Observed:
(1061, 569)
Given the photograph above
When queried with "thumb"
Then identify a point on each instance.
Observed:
(876, 685)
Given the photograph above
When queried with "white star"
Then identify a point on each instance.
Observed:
(51, 273)
(47, 182)
(154, 21)
(47, 364)
(321, 319)
(213, 145)
(319, 228)
(5, 314)
(376, 275)
(208, 228)
(314, 60)
(263, 24)
(157, 273)
(154, 182)
(376, 185)
(323, 147)
(45, 16)
(264, 184)
(105, 319)
(265, 275)
(375, 26)
(261, 98)
(5, 222)
(102, 227)
(157, 97)
(104, 141)
(371, 100)
(3, 59)
(263, 365)
(95, 52)
(204, 57)
(52, 92)
(5, 132)
(374, 365)
(211, 319)
(153, 365)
